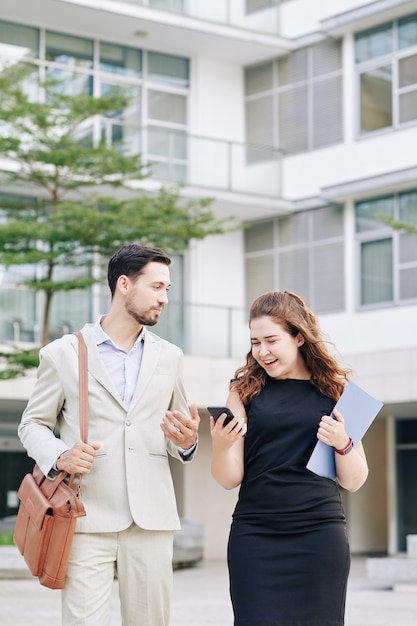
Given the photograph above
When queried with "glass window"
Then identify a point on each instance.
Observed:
(373, 43)
(120, 60)
(376, 272)
(408, 71)
(303, 252)
(258, 78)
(368, 213)
(408, 206)
(167, 107)
(388, 258)
(168, 69)
(167, 143)
(70, 83)
(407, 31)
(259, 237)
(131, 114)
(69, 50)
(18, 42)
(376, 98)
(388, 91)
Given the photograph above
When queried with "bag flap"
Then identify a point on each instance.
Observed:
(33, 500)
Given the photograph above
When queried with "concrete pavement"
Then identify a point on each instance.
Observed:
(200, 597)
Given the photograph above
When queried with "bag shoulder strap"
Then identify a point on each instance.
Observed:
(83, 382)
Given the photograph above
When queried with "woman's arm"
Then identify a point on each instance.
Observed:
(352, 468)
(227, 445)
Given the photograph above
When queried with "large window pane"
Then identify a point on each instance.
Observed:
(327, 223)
(408, 247)
(293, 67)
(368, 213)
(74, 51)
(293, 120)
(408, 107)
(167, 107)
(328, 269)
(168, 69)
(18, 42)
(259, 237)
(407, 31)
(294, 272)
(408, 283)
(294, 229)
(120, 60)
(258, 78)
(376, 272)
(130, 114)
(163, 142)
(327, 111)
(71, 83)
(376, 99)
(408, 206)
(259, 121)
(408, 71)
(373, 43)
(259, 276)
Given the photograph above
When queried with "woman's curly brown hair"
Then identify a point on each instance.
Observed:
(290, 311)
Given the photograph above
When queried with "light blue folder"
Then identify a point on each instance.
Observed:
(359, 410)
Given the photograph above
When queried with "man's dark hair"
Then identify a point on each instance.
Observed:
(130, 261)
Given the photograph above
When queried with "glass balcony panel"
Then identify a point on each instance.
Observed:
(190, 326)
(175, 156)
(71, 83)
(132, 112)
(126, 139)
(17, 315)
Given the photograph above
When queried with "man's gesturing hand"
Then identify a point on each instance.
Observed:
(182, 430)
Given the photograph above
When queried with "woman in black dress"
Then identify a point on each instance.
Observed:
(288, 553)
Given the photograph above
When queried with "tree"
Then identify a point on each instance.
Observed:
(69, 212)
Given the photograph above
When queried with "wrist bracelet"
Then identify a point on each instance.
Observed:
(348, 447)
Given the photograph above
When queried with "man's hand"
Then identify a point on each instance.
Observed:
(78, 459)
(180, 429)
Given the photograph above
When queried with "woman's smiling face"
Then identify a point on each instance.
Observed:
(276, 350)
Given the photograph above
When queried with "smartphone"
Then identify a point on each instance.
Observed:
(216, 411)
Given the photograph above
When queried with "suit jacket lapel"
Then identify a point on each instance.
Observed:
(151, 351)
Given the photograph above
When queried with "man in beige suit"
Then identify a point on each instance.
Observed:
(138, 414)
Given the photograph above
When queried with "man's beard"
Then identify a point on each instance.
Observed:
(143, 319)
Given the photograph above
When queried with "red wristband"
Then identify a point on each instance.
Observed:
(348, 447)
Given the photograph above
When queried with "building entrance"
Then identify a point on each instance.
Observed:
(13, 466)
(406, 448)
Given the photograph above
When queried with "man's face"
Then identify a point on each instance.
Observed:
(148, 294)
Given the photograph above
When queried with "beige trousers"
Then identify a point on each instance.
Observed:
(142, 561)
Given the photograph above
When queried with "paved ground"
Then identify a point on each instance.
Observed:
(200, 598)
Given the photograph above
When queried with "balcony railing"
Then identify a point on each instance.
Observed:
(259, 16)
(199, 329)
(200, 161)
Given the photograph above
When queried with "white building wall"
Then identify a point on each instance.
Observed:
(303, 16)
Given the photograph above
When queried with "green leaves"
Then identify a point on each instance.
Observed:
(47, 138)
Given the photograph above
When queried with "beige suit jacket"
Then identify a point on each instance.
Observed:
(130, 479)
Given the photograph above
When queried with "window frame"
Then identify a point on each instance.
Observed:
(379, 234)
(392, 59)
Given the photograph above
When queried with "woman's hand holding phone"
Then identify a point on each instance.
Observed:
(224, 416)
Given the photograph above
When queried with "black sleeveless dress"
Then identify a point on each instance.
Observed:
(288, 553)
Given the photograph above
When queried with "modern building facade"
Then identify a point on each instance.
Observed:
(299, 118)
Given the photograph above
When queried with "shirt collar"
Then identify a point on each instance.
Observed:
(101, 337)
